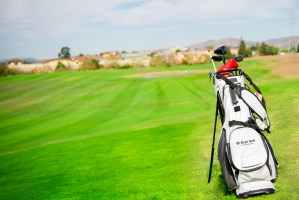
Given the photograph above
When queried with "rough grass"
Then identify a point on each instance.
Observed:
(99, 135)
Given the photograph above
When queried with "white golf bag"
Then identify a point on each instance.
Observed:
(246, 157)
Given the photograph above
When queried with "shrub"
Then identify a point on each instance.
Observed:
(190, 59)
(185, 62)
(172, 61)
(44, 69)
(159, 60)
(112, 62)
(5, 71)
(126, 66)
(60, 67)
(204, 58)
(90, 64)
(112, 65)
(137, 64)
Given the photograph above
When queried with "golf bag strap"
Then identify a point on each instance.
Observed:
(233, 85)
(251, 82)
(250, 123)
(254, 86)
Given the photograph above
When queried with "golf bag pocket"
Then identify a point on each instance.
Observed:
(255, 105)
(257, 175)
(247, 149)
(226, 168)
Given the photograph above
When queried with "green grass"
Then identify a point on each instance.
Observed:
(99, 135)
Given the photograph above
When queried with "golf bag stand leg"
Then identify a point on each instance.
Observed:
(213, 142)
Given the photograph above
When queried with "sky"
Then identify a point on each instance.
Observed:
(40, 28)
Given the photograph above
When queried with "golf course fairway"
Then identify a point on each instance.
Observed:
(120, 134)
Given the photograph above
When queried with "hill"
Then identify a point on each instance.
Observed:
(281, 43)
(26, 60)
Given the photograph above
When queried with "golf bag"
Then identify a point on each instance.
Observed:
(246, 157)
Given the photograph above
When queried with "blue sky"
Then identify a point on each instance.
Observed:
(39, 28)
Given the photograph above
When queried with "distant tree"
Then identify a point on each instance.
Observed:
(293, 49)
(258, 45)
(253, 48)
(285, 51)
(243, 51)
(265, 49)
(64, 53)
(274, 50)
(242, 47)
(298, 48)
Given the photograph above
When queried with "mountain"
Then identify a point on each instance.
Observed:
(230, 42)
(30, 60)
(281, 43)
(4, 61)
(26, 60)
(284, 43)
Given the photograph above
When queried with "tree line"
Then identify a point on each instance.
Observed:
(262, 49)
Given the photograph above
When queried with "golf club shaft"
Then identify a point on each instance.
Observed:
(212, 152)
(212, 61)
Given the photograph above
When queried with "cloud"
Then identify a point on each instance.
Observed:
(51, 18)
(157, 11)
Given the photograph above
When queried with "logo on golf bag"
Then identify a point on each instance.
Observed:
(246, 142)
